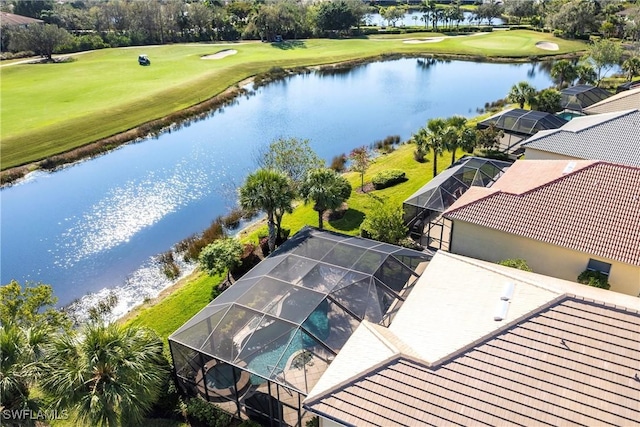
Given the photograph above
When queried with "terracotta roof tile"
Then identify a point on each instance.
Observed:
(573, 363)
(595, 209)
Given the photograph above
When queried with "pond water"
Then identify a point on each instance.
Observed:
(415, 18)
(98, 225)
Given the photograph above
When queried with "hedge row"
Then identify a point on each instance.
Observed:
(388, 178)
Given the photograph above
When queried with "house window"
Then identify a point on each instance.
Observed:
(602, 267)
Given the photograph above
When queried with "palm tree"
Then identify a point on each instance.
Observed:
(326, 189)
(272, 192)
(432, 138)
(563, 71)
(109, 375)
(459, 135)
(19, 350)
(520, 93)
(586, 74)
(631, 66)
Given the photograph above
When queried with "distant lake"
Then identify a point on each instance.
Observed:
(98, 224)
(414, 18)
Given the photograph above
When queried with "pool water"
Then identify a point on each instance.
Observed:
(221, 376)
(264, 363)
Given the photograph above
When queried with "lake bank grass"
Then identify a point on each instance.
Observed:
(104, 93)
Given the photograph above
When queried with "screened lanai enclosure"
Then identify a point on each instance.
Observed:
(518, 124)
(260, 347)
(423, 209)
(575, 98)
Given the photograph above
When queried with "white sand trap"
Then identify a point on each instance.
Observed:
(221, 54)
(547, 46)
(429, 40)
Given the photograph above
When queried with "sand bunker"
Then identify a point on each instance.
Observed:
(221, 54)
(429, 40)
(547, 46)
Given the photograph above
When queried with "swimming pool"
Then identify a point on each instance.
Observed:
(279, 351)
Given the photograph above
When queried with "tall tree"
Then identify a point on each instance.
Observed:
(270, 191)
(326, 189)
(603, 55)
(631, 67)
(459, 135)
(521, 93)
(109, 375)
(360, 159)
(563, 71)
(519, 9)
(43, 40)
(27, 319)
(547, 100)
(575, 18)
(292, 156)
(220, 256)
(431, 138)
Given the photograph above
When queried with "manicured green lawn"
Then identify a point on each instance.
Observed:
(175, 309)
(178, 307)
(51, 108)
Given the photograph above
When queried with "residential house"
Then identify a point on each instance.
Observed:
(562, 217)
(481, 344)
(625, 100)
(613, 137)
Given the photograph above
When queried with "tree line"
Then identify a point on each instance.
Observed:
(94, 24)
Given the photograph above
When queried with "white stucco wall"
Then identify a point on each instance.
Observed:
(555, 261)
(324, 422)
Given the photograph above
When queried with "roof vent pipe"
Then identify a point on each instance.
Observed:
(507, 291)
(501, 310)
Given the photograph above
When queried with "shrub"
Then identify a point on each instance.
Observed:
(338, 163)
(232, 220)
(168, 265)
(594, 278)
(206, 413)
(419, 155)
(388, 178)
(518, 263)
(384, 223)
(408, 242)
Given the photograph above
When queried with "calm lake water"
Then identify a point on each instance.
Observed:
(98, 225)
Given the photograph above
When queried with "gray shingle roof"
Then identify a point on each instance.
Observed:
(612, 137)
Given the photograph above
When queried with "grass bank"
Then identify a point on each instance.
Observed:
(178, 304)
(49, 109)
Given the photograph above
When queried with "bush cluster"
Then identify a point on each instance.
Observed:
(207, 414)
(388, 178)
(387, 145)
(594, 278)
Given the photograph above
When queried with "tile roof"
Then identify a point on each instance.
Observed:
(625, 100)
(574, 359)
(594, 209)
(613, 137)
(11, 19)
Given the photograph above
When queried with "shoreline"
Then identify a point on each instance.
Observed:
(200, 110)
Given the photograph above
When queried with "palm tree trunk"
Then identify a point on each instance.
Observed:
(272, 233)
(435, 163)
(320, 219)
(453, 155)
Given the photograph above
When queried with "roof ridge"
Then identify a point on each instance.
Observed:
(613, 116)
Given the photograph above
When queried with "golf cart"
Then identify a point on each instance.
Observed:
(143, 60)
